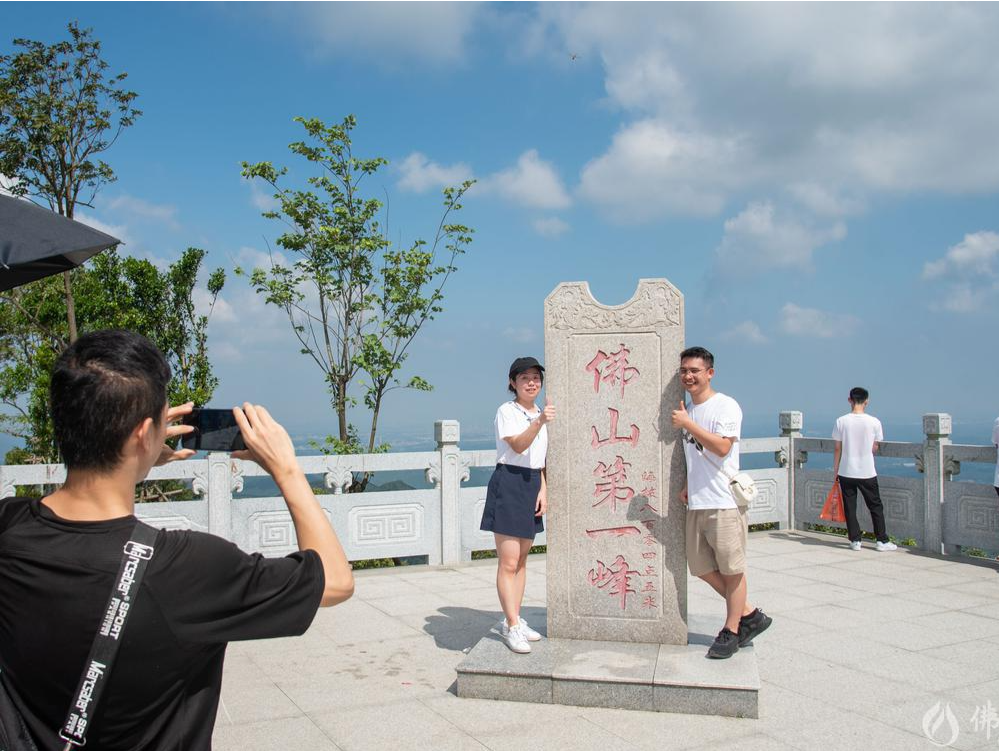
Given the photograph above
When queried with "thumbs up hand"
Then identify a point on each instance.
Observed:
(548, 413)
(680, 418)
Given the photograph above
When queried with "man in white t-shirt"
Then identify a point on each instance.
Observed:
(716, 528)
(995, 442)
(857, 435)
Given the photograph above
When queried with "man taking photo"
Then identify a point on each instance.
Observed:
(59, 556)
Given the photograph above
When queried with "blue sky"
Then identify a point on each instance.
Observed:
(820, 180)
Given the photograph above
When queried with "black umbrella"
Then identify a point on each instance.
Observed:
(36, 242)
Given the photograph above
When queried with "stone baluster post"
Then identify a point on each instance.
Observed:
(217, 487)
(937, 427)
(449, 473)
(791, 422)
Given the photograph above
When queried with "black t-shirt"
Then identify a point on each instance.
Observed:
(199, 592)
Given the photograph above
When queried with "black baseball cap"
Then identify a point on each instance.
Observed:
(524, 363)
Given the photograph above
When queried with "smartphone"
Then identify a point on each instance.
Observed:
(214, 430)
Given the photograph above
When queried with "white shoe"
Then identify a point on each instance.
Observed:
(855, 545)
(883, 546)
(515, 639)
(529, 633)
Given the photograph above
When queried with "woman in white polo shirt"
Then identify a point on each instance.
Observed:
(516, 497)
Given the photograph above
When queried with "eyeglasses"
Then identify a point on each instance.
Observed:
(691, 371)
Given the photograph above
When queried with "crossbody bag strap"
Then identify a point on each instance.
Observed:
(710, 457)
(136, 556)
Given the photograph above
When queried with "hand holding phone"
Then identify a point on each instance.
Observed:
(267, 443)
(214, 430)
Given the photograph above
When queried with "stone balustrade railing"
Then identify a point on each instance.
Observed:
(940, 513)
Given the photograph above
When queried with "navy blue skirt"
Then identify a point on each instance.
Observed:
(511, 499)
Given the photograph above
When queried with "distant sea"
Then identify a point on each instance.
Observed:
(965, 431)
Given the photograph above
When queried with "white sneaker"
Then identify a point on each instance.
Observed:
(883, 546)
(515, 639)
(855, 545)
(529, 633)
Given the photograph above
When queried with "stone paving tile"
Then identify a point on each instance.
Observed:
(965, 624)
(409, 725)
(985, 611)
(360, 623)
(987, 588)
(654, 731)
(890, 608)
(834, 616)
(950, 598)
(379, 587)
(906, 634)
(250, 696)
(980, 651)
(286, 733)
(421, 602)
(842, 666)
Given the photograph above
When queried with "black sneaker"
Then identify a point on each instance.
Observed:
(726, 644)
(752, 625)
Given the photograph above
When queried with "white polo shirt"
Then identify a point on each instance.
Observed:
(512, 420)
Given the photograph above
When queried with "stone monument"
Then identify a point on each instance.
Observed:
(617, 577)
(616, 563)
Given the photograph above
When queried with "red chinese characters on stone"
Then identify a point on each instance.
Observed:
(596, 441)
(612, 489)
(612, 369)
(615, 579)
(649, 602)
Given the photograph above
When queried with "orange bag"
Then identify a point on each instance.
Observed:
(832, 511)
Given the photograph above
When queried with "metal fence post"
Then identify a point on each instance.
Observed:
(937, 427)
(791, 422)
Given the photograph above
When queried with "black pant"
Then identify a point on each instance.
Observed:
(872, 496)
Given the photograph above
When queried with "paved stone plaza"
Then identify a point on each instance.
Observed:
(863, 646)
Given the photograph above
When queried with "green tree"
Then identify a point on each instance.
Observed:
(60, 110)
(355, 302)
(113, 291)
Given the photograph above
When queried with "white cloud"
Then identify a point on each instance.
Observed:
(7, 185)
(810, 322)
(746, 332)
(532, 182)
(260, 198)
(115, 230)
(759, 239)
(550, 226)
(975, 256)
(652, 169)
(520, 335)
(889, 98)
(221, 311)
(384, 33)
(419, 174)
(823, 201)
(967, 275)
(137, 207)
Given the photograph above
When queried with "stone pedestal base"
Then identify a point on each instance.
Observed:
(649, 677)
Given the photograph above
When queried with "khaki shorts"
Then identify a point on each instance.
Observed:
(716, 540)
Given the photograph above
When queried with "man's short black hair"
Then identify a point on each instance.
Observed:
(103, 386)
(692, 352)
(859, 395)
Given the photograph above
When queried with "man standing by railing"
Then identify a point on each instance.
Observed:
(857, 435)
(995, 442)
